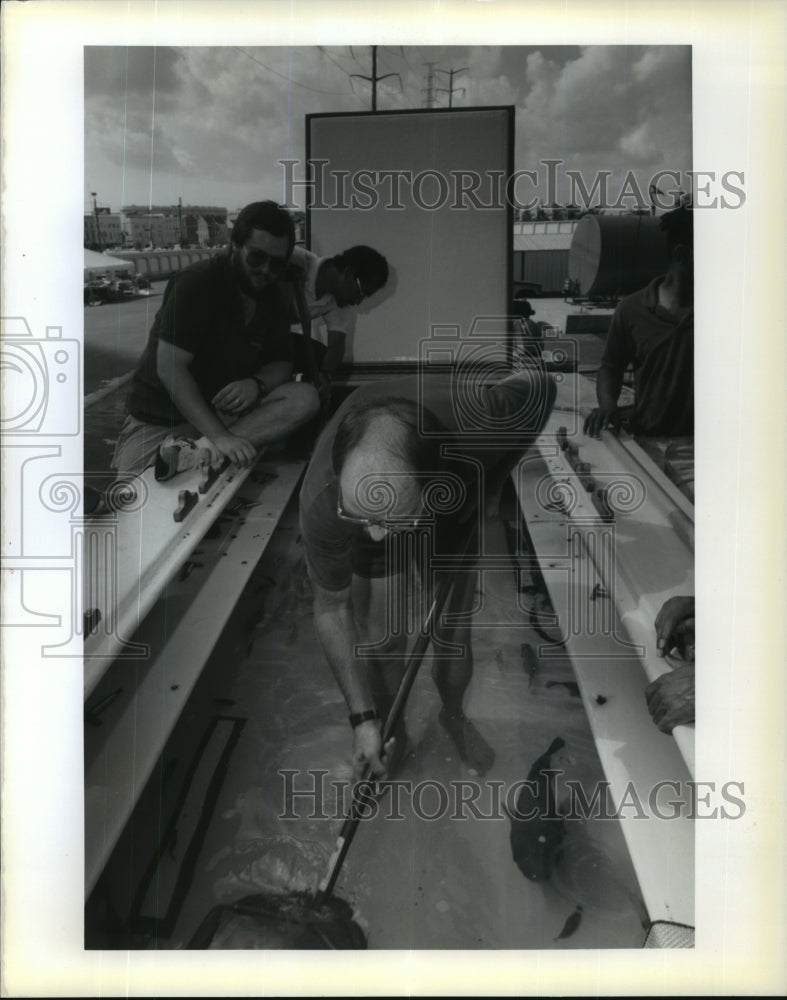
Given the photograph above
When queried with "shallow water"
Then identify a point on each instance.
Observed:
(414, 882)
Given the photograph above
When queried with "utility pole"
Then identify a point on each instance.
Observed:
(180, 221)
(451, 73)
(374, 78)
(98, 227)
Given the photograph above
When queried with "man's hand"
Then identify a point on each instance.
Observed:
(670, 698)
(368, 749)
(675, 626)
(601, 418)
(236, 449)
(237, 397)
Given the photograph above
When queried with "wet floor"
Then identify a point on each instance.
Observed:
(426, 872)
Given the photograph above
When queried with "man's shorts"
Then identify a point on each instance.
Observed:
(138, 443)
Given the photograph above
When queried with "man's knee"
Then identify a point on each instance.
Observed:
(300, 399)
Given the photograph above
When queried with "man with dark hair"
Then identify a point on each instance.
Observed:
(653, 330)
(400, 475)
(213, 382)
(334, 287)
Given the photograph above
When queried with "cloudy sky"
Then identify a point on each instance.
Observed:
(209, 124)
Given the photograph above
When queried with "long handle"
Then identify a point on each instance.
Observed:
(420, 644)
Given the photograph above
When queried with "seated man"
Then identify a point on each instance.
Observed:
(334, 286)
(653, 330)
(213, 382)
(378, 472)
(671, 697)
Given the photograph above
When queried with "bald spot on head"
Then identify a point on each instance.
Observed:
(376, 456)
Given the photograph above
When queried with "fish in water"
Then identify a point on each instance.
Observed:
(537, 829)
(573, 921)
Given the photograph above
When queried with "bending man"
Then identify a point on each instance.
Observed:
(398, 460)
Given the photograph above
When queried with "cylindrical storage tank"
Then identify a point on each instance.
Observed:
(616, 254)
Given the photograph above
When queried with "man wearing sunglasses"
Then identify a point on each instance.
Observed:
(397, 480)
(334, 287)
(213, 382)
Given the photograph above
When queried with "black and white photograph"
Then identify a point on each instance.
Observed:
(368, 519)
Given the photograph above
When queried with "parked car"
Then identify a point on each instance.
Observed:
(100, 290)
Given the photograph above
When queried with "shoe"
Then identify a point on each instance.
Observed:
(178, 455)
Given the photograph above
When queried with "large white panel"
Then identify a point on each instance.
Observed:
(449, 263)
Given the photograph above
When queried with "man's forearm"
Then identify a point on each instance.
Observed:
(334, 352)
(608, 387)
(189, 400)
(337, 635)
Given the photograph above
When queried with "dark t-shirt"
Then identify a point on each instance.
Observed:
(202, 313)
(485, 430)
(660, 347)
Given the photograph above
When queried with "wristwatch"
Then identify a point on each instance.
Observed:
(261, 385)
(358, 717)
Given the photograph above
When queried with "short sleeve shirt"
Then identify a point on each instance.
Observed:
(202, 313)
(660, 347)
(324, 307)
(474, 452)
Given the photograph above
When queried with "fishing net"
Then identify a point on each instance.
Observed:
(664, 934)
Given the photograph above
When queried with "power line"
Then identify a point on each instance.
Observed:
(333, 93)
(341, 68)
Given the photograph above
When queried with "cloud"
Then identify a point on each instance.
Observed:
(219, 118)
(615, 108)
(131, 70)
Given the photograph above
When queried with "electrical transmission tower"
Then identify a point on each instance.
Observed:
(430, 101)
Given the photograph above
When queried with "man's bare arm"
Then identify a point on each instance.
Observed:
(172, 367)
(335, 624)
(606, 414)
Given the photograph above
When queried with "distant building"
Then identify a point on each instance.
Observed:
(152, 229)
(541, 251)
(103, 229)
(203, 225)
(192, 225)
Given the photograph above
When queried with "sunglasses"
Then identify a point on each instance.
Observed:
(389, 524)
(259, 258)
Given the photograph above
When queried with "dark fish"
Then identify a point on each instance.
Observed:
(537, 829)
(571, 924)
